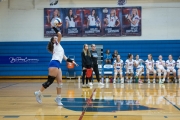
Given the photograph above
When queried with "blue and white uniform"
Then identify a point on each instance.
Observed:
(57, 57)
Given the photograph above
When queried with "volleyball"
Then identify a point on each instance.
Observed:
(57, 22)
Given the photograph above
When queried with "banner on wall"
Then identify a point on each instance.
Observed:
(131, 21)
(72, 25)
(92, 19)
(50, 14)
(96, 22)
(111, 21)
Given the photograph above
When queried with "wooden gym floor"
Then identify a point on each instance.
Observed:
(113, 102)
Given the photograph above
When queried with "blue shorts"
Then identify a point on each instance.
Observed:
(54, 63)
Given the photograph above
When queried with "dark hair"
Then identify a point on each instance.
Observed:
(69, 16)
(129, 55)
(107, 51)
(50, 46)
(95, 16)
(151, 56)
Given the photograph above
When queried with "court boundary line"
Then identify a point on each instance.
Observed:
(87, 104)
(172, 103)
(9, 85)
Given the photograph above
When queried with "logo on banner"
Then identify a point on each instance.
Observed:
(22, 60)
(121, 2)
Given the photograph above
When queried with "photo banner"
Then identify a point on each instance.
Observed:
(111, 21)
(72, 25)
(92, 18)
(50, 14)
(131, 21)
(94, 22)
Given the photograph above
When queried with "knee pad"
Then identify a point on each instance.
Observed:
(49, 81)
(174, 71)
(154, 72)
(115, 73)
(168, 70)
(59, 85)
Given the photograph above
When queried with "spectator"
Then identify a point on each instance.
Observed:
(107, 57)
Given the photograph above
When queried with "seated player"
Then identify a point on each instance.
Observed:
(160, 64)
(118, 64)
(139, 68)
(129, 67)
(150, 68)
(178, 66)
(170, 64)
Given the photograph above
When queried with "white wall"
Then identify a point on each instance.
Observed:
(160, 20)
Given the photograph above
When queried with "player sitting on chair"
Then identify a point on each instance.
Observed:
(160, 64)
(118, 64)
(170, 64)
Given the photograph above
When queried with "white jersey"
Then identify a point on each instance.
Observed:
(178, 63)
(111, 20)
(92, 20)
(118, 64)
(71, 22)
(58, 52)
(160, 64)
(52, 21)
(130, 63)
(170, 64)
(138, 63)
(135, 18)
(149, 63)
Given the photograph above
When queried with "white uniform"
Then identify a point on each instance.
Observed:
(71, 22)
(138, 63)
(160, 64)
(178, 63)
(140, 66)
(118, 64)
(129, 65)
(170, 65)
(150, 66)
(111, 20)
(135, 18)
(58, 52)
(92, 20)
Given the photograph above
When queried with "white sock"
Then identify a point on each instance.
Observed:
(58, 95)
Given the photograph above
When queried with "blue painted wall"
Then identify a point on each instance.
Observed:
(38, 50)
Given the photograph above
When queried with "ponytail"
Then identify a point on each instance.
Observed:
(50, 46)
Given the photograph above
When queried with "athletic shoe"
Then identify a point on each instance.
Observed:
(87, 86)
(38, 96)
(160, 81)
(149, 81)
(100, 84)
(140, 82)
(83, 86)
(154, 81)
(90, 84)
(58, 101)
